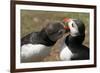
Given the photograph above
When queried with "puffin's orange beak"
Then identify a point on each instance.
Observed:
(66, 27)
(65, 21)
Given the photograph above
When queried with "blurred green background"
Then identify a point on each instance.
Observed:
(32, 21)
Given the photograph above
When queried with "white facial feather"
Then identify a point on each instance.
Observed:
(34, 52)
(73, 28)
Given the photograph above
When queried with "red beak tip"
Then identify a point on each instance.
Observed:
(66, 20)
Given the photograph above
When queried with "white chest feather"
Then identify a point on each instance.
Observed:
(34, 52)
(65, 53)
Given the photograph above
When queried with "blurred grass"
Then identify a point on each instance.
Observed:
(32, 21)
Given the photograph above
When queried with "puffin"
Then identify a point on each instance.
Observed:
(72, 47)
(37, 45)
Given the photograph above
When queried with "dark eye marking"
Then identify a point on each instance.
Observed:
(72, 25)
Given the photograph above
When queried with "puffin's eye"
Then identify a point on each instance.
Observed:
(72, 25)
